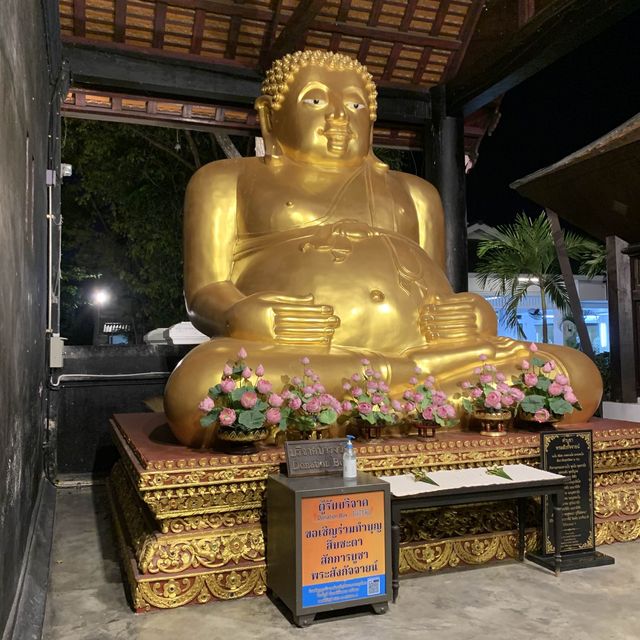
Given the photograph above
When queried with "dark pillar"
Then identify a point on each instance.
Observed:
(623, 371)
(444, 167)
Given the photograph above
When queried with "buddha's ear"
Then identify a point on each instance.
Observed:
(264, 107)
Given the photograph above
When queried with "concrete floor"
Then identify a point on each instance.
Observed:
(510, 601)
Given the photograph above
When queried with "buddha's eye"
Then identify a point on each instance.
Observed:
(355, 106)
(315, 102)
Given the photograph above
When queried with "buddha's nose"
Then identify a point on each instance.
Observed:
(338, 110)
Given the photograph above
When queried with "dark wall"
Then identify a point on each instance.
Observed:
(97, 382)
(24, 119)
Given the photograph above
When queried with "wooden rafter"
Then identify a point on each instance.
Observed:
(468, 28)
(424, 59)
(159, 20)
(376, 10)
(232, 40)
(441, 14)
(293, 34)
(225, 8)
(409, 12)
(270, 34)
(343, 10)
(198, 31)
(119, 21)
(79, 16)
(392, 60)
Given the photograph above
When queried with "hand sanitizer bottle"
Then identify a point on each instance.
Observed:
(349, 469)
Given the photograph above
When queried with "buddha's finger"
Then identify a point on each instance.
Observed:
(308, 319)
(304, 340)
(297, 330)
(303, 310)
(279, 298)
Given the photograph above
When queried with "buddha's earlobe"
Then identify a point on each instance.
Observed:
(263, 106)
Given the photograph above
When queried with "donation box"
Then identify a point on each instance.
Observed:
(328, 543)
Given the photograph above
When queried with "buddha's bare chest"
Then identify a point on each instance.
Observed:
(280, 201)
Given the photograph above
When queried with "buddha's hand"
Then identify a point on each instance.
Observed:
(450, 318)
(287, 320)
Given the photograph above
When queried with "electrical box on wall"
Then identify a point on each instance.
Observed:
(56, 356)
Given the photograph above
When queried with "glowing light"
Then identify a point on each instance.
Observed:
(101, 297)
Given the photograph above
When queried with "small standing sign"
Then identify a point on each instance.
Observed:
(570, 453)
(314, 457)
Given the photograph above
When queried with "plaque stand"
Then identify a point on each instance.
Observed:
(572, 561)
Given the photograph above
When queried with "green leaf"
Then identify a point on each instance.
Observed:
(210, 418)
(532, 403)
(251, 419)
(543, 383)
(238, 392)
(560, 406)
(466, 403)
(538, 362)
(327, 416)
(214, 392)
(370, 418)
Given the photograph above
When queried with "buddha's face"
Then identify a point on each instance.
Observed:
(324, 118)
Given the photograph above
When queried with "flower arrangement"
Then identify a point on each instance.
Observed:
(490, 393)
(423, 402)
(304, 403)
(242, 401)
(547, 393)
(366, 396)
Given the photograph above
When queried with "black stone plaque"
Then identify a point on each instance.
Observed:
(570, 454)
(314, 457)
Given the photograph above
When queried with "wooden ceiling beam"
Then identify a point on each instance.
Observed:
(466, 33)
(376, 10)
(160, 76)
(232, 39)
(387, 35)
(270, 34)
(159, 21)
(119, 20)
(197, 32)
(293, 34)
(441, 14)
(79, 18)
(343, 11)
(224, 8)
(554, 31)
(409, 12)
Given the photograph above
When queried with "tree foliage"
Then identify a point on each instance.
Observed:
(122, 218)
(521, 255)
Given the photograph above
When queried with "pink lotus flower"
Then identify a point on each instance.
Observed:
(429, 380)
(427, 414)
(517, 394)
(397, 405)
(295, 403)
(365, 362)
(346, 386)
(376, 399)
(524, 365)
(242, 354)
(477, 371)
(383, 386)
(530, 379)
(417, 370)
(206, 405)
(248, 399)
(500, 377)
(296, 380)
(259, 370)
(228, 385)
(273, 415)
(227, 417)
(409, 407)
(368, 372)
(570, 397)
(357, 392)
(227, 370)
(365, 408)
(465, 385)
(318, 388)
(313, 406)
(418, 397)
(541, 415)
(246, 373)
(475, 393)
(508, 400)
(347, 406)
(377, 375)
(533, 347)
(442, 412)
(555, 389)
(263, 386)
(503, 387)
(305, 361)
(408, 394)
(562, 379)
(275, 400)
(308, 390)
(309, 373)
(493, 400)
(547, 368)
(451, 411)
(413, 380)
(356, 377)
(439, 397)
(486, 378)
(483, 357)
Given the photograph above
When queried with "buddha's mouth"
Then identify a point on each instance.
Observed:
(338, 138)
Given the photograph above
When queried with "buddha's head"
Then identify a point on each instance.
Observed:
(318, 107)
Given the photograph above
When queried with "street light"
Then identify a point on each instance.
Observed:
(100, 298)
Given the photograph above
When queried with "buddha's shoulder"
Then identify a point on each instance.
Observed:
(223, 172)
(414, 186)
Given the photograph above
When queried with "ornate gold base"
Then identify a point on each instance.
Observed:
(189, 528)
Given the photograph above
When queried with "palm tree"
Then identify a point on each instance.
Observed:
(523, 254)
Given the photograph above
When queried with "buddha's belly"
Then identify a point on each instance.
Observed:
(375, 285)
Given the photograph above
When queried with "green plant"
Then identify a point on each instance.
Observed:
(521, 255)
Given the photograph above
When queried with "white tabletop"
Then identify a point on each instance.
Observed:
(407, 485)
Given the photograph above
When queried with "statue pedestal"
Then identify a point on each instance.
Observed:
(188, 522)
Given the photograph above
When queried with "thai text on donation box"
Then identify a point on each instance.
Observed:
(335, 534)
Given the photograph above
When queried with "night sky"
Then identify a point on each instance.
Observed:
(559, 110)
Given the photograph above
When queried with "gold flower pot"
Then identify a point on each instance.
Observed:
(526, 421)
(237, 441)
(321, 432)
(492, 423)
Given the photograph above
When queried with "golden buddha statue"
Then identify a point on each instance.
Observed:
(319, 249)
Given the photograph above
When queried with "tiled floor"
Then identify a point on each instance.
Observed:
(509, 601)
